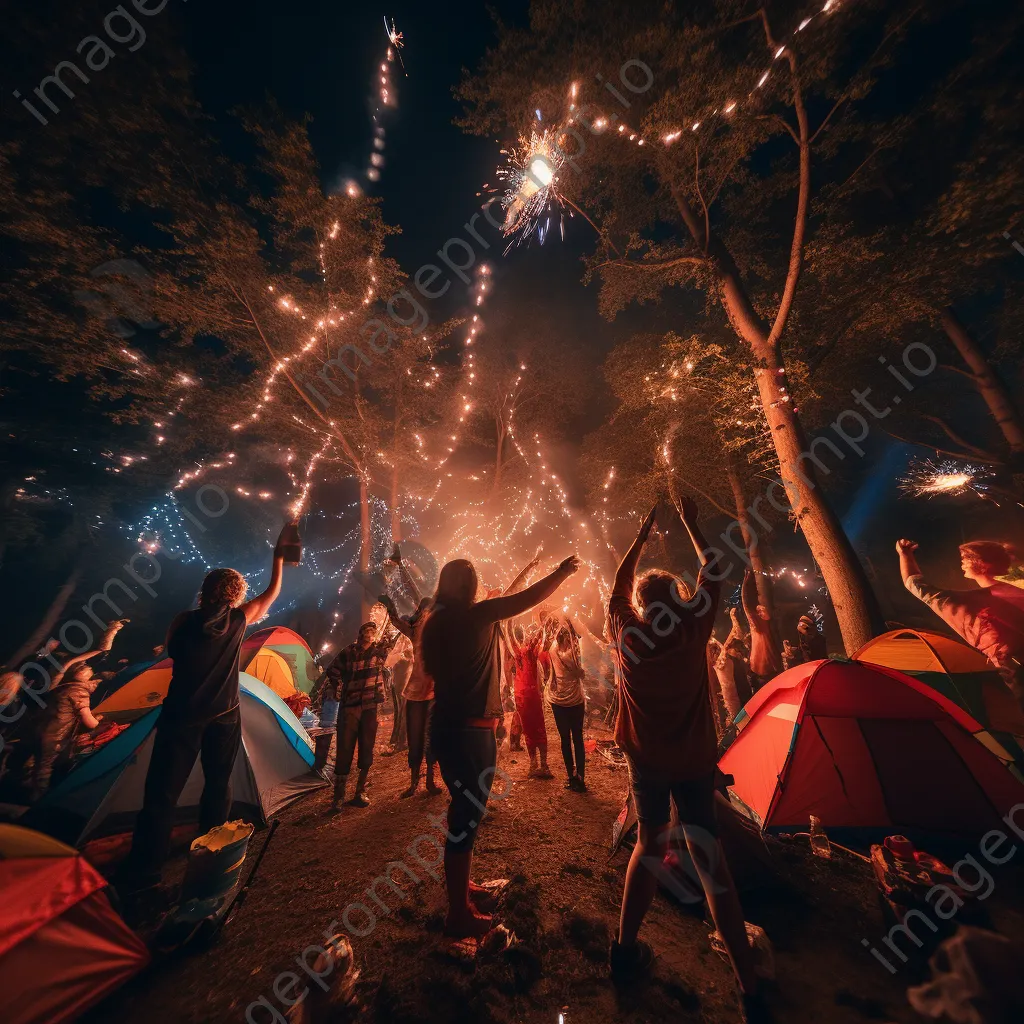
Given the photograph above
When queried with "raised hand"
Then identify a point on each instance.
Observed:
(905, 546)
(570, 564)
(649, 522)
(687, 509)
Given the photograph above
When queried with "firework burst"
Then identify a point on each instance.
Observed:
(927, 479)
(530, 178)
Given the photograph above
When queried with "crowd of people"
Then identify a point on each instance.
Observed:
(463, 662)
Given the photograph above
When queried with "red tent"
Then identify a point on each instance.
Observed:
(62, 947)
(868, 748)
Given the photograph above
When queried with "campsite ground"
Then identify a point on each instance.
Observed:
(562, 905)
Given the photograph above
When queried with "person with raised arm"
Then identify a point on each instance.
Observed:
(200, 716)
(461, 654)
(419, 690)
(990, 618)
(666, 729)
(765, 653)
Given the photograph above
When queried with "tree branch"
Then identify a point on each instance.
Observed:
(979, 453)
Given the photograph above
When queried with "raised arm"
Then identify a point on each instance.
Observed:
(260, 605)
(402, 625)
(687, 509)
(518, 581)
(908, 560)
(626, 572)
(407, 581)
(508, 607)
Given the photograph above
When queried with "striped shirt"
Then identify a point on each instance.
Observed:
(357, 673)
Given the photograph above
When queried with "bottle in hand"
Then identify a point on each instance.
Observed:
(289, 545)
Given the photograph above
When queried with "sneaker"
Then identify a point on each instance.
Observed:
(628, 963)
(359, 800)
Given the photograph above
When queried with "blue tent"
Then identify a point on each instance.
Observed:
(103, 795)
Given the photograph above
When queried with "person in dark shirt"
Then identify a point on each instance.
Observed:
(460, 644)
(666, 729)
(200, 715)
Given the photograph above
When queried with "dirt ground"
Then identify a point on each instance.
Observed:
(562, 905)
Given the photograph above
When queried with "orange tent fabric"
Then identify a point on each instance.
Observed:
(864, 747)
(62, 947)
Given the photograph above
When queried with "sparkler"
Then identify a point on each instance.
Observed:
(927, 479)
(397, 41)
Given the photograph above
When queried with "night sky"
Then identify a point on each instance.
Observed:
(321, 59)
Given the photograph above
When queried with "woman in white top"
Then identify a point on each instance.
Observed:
(565, 691)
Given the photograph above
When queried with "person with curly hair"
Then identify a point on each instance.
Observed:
(666, 729)
(200, 715)
(989, 617)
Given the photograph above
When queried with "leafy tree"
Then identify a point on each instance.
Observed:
(737, 117)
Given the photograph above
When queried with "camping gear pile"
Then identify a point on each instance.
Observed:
(906, 875)
(62, 947)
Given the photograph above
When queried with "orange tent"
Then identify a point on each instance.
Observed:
(867, 748)
(62, 947)
(291, 647)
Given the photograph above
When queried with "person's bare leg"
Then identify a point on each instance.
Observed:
(641, 881)
(463, 921)
(414, 784)
(724, 904)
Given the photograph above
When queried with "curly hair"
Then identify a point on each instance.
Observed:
(994, 555)
(223, 586)
(656, 586)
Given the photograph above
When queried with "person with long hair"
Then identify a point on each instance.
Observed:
(666, 729)
(990, 617)
(568, 701)
(200, 714)
(461, 654)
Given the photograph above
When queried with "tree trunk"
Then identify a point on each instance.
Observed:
(42, 632)
(854, 601)
(365, 547)
(988, 384)
(752, 542)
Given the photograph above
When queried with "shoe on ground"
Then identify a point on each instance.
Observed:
(433, 788)
(570, 783)
(578, 784)
(411, 791)
(359, 800)
(630, 963)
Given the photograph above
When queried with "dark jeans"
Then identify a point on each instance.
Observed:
(569, 722)
(467, 757)
(175, 747)
(357, 727)
(418, 714)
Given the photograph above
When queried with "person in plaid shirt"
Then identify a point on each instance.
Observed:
(356, 676)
